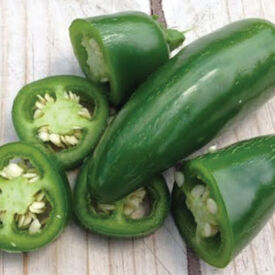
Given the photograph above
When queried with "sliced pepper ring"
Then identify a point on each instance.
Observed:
(114, 220)
(121, 49)
(35, 198)
(226, 198)
(66, 114)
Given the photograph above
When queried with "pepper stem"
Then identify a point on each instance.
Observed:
(174, 38)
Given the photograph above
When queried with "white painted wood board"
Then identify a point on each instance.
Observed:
(34, 43)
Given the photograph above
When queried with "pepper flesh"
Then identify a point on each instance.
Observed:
(241, 181)
(125, 218)
(35, 199)
(66, 114)
(183, 105)
(121, 49)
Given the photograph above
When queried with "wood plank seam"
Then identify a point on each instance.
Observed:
(193, 263)
(156, 258)
(172, 236)
(154, 252)
(156, 9)
(87, 252)
(133, 256)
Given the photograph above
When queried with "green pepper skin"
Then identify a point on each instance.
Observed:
(133, 44)
(23, 107)
(117, 224)
(241, 179)
(54, 184)
(184, 104)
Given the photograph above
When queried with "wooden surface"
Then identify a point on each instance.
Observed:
(34, 43)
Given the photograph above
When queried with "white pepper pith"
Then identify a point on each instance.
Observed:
(204, 209)
(95, 59)
(133, 205)
(59, 120)
(22, 200)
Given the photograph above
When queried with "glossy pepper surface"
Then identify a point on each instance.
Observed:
(138, 214)
(241, 182)
(183, 105)
(35, 199)
(121, 49)
(66, 114)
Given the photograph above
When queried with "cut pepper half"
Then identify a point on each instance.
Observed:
(138, 214)
(226, 198)
(35, 199)
(66, 114)
(120, 50)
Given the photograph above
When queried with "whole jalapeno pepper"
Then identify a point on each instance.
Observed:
(183, 105)
(121, 49)
(226, 198)
(35, 198)
(66, 114)
(138, 214)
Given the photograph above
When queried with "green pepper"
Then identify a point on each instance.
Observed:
(66, 114)
(138, 214)
(226, 198)
(120, 50)
(183, 105)
(35, 198)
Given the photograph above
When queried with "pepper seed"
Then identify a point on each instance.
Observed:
(35, 226)
(179, 178)
(211, 206)
(198, 191)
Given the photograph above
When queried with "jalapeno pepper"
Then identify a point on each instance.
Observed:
(66, 114)
(183, 105)
(138, 214)
(226, 198)
(35, 198)
(122, 49)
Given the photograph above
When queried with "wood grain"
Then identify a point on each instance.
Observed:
(34, 43)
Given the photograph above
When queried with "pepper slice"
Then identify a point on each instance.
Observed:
(66, 114)
(121, 49)
(183, 105)
(138, 214)
(35, 198)
(226, 198)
